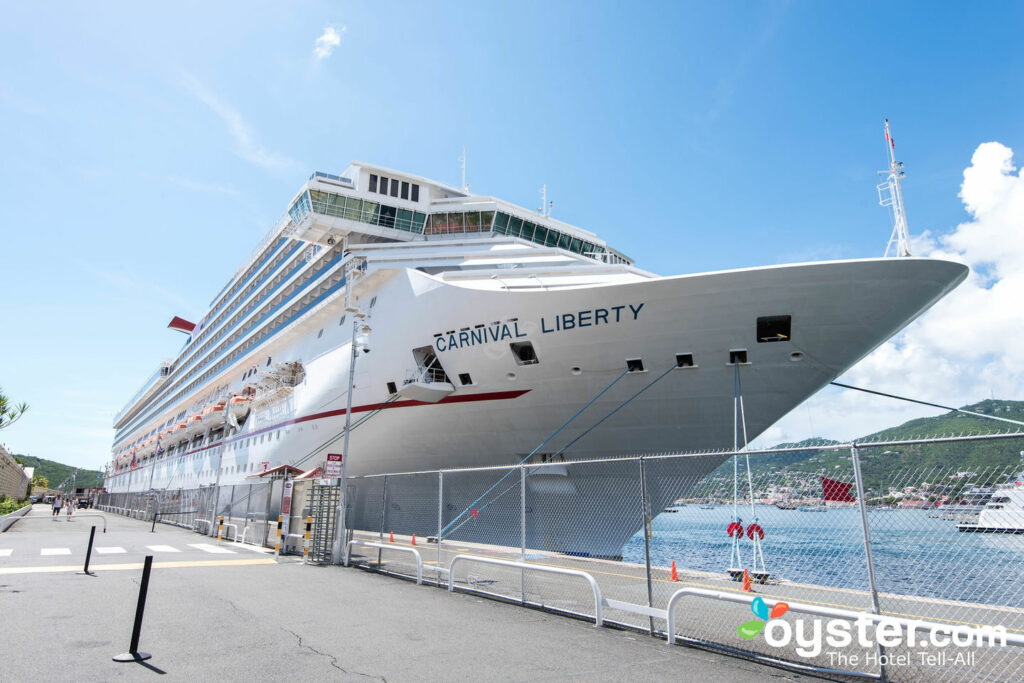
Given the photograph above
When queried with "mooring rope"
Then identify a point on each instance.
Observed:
(532, 453)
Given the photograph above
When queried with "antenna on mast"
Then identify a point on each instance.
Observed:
(545, 205)
(462, 160)
(890, 194)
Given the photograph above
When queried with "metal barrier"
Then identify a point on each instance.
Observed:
(598, 600)
(383, 546)
(852, 526)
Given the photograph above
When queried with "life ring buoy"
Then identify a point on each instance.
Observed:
(735, 529)
(755, 528)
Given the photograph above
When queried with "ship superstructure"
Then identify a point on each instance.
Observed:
(484, 327)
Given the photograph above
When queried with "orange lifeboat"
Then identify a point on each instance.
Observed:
(193, 424)
(240, 405)
(213, 415)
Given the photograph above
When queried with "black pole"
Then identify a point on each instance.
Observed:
(88, 552)
(156, 511)
(133, 654)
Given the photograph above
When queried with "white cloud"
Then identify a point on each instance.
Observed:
(245, 144)
(328, 40)
(965, 349)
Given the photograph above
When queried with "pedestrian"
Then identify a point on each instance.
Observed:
(71, 507)
(56, 507)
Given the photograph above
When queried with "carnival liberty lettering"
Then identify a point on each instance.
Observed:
(561, 322)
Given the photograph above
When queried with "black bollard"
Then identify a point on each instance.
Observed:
(133, 654)
(88, 552)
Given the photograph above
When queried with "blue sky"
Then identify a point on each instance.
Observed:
(147, 148)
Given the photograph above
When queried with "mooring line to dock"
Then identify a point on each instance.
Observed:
(563, 448)
(617, 409)
(532, 453)
(926, 403)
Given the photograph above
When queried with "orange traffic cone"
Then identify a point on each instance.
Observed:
(675, 574)
(414, 539)
(391, 537)
(746, 582)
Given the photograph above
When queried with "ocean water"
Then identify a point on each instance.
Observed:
(914, 554)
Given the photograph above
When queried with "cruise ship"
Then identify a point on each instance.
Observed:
(481, 328)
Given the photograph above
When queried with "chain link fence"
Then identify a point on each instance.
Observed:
(851, 530)
(247, 510)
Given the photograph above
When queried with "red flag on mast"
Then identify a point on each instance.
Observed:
(837, 491)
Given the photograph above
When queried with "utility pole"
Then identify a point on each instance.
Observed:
(341, 532)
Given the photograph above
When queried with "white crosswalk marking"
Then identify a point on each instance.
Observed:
(55, 551)
(163, 549)
(109, 550)
(6, 552)
(210, 548)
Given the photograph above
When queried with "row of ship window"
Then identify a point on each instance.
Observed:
(394, 188)
(375, 213)
(363, 211)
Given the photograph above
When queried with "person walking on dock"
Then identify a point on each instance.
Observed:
(56, 507)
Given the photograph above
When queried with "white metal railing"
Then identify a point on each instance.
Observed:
(598, 600)
(430, 374)
(384, 546)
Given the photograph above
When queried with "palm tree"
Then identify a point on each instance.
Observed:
(10, 412)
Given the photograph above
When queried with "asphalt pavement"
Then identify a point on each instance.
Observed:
(226, 612)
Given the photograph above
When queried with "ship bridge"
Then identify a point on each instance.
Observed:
(368, 204)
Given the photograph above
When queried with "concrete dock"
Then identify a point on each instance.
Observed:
(222, 611)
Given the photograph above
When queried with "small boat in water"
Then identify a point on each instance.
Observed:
(1003, 514)
(812, 508)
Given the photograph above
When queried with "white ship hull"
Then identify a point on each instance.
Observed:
(451, 287)
(840, 312)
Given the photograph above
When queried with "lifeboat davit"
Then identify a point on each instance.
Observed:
(240, 405)
(213, 415)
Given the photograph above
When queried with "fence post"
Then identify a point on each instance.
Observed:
(645, 516)
(213, 510)
(522, 533)
(872, 583)
(440, 520)
(383, 515)
(156, 511)
(248, 504)
(266, 512)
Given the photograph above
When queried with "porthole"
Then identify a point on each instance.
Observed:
(796, 356)
(576, 370)
(511, 376)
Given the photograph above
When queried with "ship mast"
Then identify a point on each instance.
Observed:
(890, 194)
(462, 164)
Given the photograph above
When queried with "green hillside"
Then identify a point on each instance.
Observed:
(56, 472)
(899, 466)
